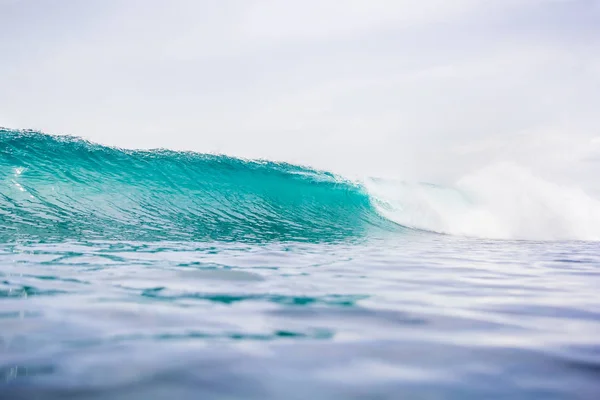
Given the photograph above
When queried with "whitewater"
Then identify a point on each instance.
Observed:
(135, 274)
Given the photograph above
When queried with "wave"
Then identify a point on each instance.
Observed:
(60, 188)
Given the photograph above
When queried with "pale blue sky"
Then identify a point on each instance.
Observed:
(428, 90)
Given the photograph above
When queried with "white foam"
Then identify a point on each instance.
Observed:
(503, 201)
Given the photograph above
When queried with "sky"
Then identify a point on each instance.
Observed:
(430, 90)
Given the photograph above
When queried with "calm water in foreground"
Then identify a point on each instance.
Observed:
(413, 316)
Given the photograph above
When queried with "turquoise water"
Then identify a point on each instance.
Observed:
(57, 188)
(160, 274)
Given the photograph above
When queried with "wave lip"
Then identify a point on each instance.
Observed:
(57, 188)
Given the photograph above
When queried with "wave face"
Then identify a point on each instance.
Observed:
(59, 188)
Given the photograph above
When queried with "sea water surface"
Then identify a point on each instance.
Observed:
(159, 274)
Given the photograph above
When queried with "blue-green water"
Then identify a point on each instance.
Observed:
(157, 274)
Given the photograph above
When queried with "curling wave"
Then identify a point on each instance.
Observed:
(61, 188)
(57, 188)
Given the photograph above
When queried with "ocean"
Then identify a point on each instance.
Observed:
(129, 274)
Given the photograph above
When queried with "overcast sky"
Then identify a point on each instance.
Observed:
(427, 90)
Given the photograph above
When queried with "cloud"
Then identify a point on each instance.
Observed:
(281, 21)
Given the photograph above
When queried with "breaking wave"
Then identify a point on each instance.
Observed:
(62, 188)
